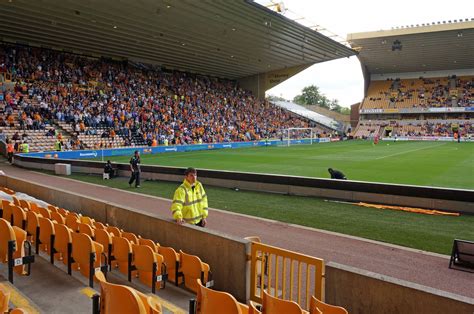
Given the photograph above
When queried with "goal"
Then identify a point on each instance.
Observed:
(293, 136)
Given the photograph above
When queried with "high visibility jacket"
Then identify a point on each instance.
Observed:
(190, 203)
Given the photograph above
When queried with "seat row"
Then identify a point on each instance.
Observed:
(86, 245)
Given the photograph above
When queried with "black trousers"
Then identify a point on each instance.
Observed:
(199, 224)
(135, 177)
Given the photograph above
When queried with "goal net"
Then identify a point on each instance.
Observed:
(294, 136)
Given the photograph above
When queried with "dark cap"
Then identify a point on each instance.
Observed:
(189, 170)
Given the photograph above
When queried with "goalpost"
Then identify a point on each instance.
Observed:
(298, 136)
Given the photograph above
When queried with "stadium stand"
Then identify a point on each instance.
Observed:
(105, 104)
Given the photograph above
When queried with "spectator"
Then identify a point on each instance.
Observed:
(108, 168)
(336, 174)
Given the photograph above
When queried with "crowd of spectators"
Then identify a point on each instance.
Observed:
(133, 100)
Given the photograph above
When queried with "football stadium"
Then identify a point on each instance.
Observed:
(146, 169)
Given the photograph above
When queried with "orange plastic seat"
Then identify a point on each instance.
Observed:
(118, 298)
(87, 254)
(34, 207)
(253, 308)
(150, 243)
(32, 226)
(46, 235)
(4, 300)
(12, 243)
(15, 200)
(171, 260)
(149, 265)
(211, 301)
(18, 310)
(63, 212)
(52, 209)
(7, 211)
(155, 307)
(87, 229)
(130, 237)
(316, 306)
(18, 217)
(72, 221)
(99, 225)
(272, 305)
(192, 268)
(58, 218)
(25, 204)
(123, 255)
(63, 243)
(46, 213)
(115, 231)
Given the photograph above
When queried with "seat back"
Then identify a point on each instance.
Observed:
(317, 306)
(119, 299)
(15, 200)
(87, 229)
(32, 223)
(99, 225)
(130, 237)
(121, 249)
(25, 204)
(19, 217)
(192, 267)
(46, 213)
(72, 221)
(46, 231)
(20, 237)
(82, 248)
(63, 212)
(6, 235)
(211, 301)
(18, 310)
(52, 209)
(58, 218)
(87, 220)
(4, 300)
(144, 260)
(7, 210)
(272, 305)
(63, 240)
(155, 307)
(104, 238)
(150, 243)
(115, 231)
(253, 308)
(170, 258)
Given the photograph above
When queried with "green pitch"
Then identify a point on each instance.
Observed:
(443, 164)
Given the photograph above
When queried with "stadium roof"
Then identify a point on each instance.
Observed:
(231, 39)
(416, 49)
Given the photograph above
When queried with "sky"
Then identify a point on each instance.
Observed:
(342, 79)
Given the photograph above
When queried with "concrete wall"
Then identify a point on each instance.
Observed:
(362, 291)
(225, 254)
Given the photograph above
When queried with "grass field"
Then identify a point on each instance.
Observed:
(443, 164)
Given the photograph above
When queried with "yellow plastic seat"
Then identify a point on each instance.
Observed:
(149, 265)
(58, 218)
(171, 260)
(211, 301)
(150, 243)
(192, 268)
(272, 305)
(119, 299)
(87, 220)
(19, 217)
(123, 255)
(316, 306)
(87, 254)
(4, 300)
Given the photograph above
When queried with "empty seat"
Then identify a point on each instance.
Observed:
(99, 225)
(4, 300)
(149, 265)
(155, 307)
(150, 243)
(130, 237)
(72, 221)
(317, 306)
(46, 236)
(18, 217)
(46, 213)
(25, 204)
(103, 237)
(7, 211)
(12, 249)
(115, 231)
(171, 260)
(211, 301)
(87, 229)
(123, 254)
(63, 243)
(253, 309)
(56, 216)
(32, 226)
(87, 220)
(88, 254)
(272, 305)
(192, 268)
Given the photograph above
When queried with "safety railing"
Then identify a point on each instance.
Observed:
(285, 274)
